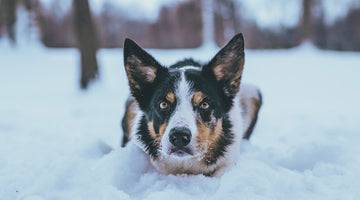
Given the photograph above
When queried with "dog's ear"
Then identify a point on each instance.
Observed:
(142, 70)
(227, 66)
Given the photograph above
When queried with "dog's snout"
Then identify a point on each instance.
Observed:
(180, 137)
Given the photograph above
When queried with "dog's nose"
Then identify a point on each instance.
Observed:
(180, 137)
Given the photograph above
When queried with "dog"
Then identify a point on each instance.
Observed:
(189, 118)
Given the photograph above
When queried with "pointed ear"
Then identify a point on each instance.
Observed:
(141, 69)
(227, 66)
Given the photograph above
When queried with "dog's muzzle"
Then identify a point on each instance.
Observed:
(180, 137)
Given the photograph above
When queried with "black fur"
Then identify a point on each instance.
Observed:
(225, 140)
(220, 105)
(153, 112)
(146, 139)
(208, 85)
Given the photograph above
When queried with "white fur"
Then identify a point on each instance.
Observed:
(183, 116)
(184, 68)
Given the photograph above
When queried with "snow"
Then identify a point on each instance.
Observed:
(57, 142)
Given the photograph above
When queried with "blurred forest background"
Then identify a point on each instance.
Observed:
(90, 25)
(180, 25)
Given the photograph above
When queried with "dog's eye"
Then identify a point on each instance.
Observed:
(163, 105)
(204, 105)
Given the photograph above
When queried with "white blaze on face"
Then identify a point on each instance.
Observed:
(183, 116)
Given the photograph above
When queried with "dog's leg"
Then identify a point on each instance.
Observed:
(127, 121)
(250, 101)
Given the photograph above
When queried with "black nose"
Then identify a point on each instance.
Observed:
(180, 137)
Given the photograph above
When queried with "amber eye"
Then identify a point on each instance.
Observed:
(204, 105)
(163, 105)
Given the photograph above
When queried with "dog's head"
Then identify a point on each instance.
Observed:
(186, 106)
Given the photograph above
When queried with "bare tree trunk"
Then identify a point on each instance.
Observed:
(8, 18)
(87, 42)
(208, 22)
(307, 26)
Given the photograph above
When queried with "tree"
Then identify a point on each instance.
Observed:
(227, 21)
(8, 18)
(87, 42)
(208, 22)
(307, 24)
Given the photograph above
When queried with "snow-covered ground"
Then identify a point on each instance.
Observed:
(57, 142)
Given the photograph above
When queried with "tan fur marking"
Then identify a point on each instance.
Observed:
(162, 129)
(134, 66)
(132, 82)
(148, 72)
(130, 115)
(250, 106)
(198, 97)
(170, 97)
(157, 137)
(151, 130)
(232, 76)
(219, 72)
(208, 137)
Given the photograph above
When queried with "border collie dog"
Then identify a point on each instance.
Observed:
(189, 118)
